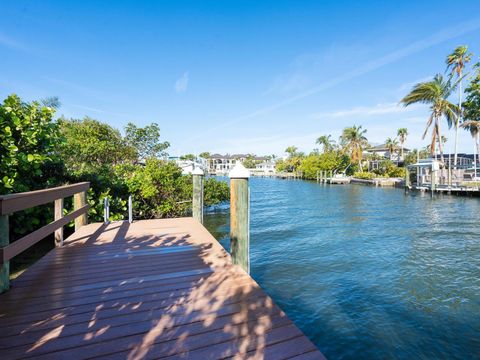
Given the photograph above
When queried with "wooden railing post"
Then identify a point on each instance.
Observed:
(240, 216)
(5, 267)
(197, 201)
(79, 200)
(58, 215)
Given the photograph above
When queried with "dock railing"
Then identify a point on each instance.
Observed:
(12, 203)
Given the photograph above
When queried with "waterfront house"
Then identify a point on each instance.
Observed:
(379, 153)
(382, 152)
(222, 164)
(463, 160)
(188, 166)
(267, 167)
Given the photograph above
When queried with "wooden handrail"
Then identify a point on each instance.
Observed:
(16, 202)
(26, 200)
(10, 251)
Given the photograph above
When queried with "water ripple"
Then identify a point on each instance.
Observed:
(368, 272)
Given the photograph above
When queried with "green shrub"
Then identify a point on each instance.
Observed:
(365, 175)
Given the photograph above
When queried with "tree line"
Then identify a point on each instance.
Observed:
(344, 156)
(39, 151)
(437, 94)
(347, 155)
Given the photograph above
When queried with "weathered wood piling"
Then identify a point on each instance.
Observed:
(197, 201)
(240, 216)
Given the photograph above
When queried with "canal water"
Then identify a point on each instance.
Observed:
(368, 273)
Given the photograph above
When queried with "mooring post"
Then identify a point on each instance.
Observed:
(5, 269)
(80, 200)
(58, 213)
(106, 210)
(197, 201)
(433, 180)
(130, 209)
(449, 177)
(240, 216)
(407, 180)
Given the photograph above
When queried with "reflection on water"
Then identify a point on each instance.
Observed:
(368, 272)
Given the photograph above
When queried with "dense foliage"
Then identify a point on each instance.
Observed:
(38, 152)
(330, 161)
(28, 136)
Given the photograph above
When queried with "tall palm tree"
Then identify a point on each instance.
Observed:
(456, 62)
(402, 134)
(291, 150)
(435, 93)
(327, 142)
(391, 145)
(474, 127)
(354, 141)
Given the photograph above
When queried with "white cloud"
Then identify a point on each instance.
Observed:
(81, 89)
(404, 88)
(11, 43)
(415, 47)
(360, 111)
(181, 84)
(99, 111)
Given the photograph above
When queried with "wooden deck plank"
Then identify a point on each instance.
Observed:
(150, 289)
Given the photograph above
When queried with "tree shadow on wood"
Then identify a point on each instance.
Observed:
(134, 296)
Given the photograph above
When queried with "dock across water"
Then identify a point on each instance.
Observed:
(150, 289)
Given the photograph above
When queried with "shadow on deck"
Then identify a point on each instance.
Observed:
(150, 289)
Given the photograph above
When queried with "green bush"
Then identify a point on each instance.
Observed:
(38, 152)
(387, 168)
(397, 172)
(365, 175)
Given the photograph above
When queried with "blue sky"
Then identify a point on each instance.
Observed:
(235, 76)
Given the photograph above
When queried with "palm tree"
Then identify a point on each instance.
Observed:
(291, 150)
(354, 141)
(474, 127)
(435, 93)
(391, 145)
(402, 134)
(456, 62)
(327, 142)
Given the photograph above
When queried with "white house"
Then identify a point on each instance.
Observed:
(188, 166)
(222, 164)
(384, 153)
(266, 167)
(381, 153)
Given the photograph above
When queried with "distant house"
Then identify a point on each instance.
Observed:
(463, 160)
(266, 167)
(384, 153)
(188, 166)
(222, 164)
(376, 154)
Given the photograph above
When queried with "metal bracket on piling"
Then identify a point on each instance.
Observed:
(106, 210)
(130, 212)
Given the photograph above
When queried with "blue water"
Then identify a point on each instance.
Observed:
(368, 273)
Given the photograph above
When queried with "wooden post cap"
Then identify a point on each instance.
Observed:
(239, 172)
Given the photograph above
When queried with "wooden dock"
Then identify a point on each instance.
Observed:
(150, 289)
